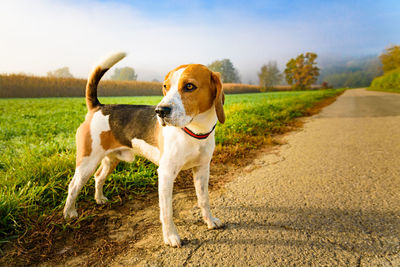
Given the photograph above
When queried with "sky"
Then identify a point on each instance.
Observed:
(38, 36)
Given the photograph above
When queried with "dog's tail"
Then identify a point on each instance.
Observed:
(95, 76)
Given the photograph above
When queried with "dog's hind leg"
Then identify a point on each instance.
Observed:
(107, 166)
(81, 176)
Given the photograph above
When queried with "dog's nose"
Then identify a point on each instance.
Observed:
(163, 111)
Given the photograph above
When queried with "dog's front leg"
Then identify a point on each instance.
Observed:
(201, 176)
(166, 178)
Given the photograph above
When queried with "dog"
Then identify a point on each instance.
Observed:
(177, 134)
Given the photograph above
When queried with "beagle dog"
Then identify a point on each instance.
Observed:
(177, 134)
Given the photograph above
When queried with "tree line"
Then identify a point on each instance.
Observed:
(300, 72)
(120, 74)
(357, 72)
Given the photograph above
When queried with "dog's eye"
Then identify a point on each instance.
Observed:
(190, 87)
(165, 86)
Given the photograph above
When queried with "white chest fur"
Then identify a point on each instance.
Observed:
(186, 151)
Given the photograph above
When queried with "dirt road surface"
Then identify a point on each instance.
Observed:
(329, 197)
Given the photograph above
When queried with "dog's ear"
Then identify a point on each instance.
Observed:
(219, 96)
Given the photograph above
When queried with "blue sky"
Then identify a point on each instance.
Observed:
(43, 35)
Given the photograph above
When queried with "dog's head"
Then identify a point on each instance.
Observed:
(190, 90)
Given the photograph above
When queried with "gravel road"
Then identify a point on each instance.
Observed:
(329, 197)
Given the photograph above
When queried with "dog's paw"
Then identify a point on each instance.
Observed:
(101, 200)
(71, 213)
(173, 240)
(213, 223)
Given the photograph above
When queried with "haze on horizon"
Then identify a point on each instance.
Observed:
(43, 35)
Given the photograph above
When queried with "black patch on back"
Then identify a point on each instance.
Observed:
(132, 121)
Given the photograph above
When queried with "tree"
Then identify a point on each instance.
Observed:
(60, 73)
(269, 75)
(390, 58)
(124, 74)
(302, 71)
(228, 72)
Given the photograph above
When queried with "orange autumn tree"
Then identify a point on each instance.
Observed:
(390, 58)
(302, 71)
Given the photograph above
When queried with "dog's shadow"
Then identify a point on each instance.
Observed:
(356, 231)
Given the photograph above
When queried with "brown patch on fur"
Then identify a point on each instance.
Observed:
(113, 164)
(99, 170)
(84, 139)
(202, 98)
(108, 141)
(167, 80)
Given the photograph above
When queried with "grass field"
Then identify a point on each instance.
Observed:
(37, 147)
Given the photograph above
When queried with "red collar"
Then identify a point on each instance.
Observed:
(198, 136)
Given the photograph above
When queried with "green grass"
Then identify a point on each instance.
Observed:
(389, 90)
(389, 82)
(37, 147)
